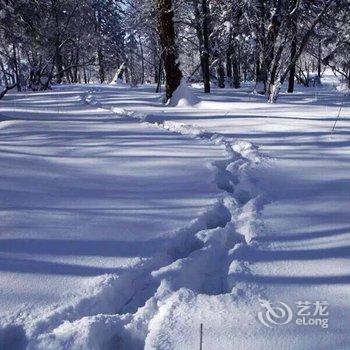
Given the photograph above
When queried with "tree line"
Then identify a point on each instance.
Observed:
(216, 42)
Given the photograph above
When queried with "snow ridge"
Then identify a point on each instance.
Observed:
(125, 311)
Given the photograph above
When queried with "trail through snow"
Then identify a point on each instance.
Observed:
(95, 186)
(136, 222)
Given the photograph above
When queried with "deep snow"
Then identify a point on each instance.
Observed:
(136, 222)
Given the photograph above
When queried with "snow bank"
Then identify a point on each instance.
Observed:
(88, 333)
(183, 96)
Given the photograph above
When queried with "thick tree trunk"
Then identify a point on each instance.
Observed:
(205, 53)
(170, 56)
(205, 72)
(293, 51)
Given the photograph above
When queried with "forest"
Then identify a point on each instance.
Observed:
(217, 42)
(174, 174)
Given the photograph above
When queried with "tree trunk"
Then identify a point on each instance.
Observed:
(229, 66)
(293, 51)
(319, 62)
(75, 69)
(202, 31)
(268, 49)
(170, 55)
(236, 74)
(58, 42)
(205, 71)
(59, 63)
(121, 71)
(101, 69)
(85, 76)
(142, 62)
(15, 66)
(274, 69)
(221, 75)
(205, 54)
(5, 91)
(257, 67)
(159, 76)
(100, 55)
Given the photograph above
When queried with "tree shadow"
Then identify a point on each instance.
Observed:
(302, 236)
(258, 255)
(13, 337)
(291, 280)
(64, 247)
(52, 268)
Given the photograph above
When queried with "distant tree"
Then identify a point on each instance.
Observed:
(337, 43)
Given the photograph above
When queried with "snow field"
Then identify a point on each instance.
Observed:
(276, 228)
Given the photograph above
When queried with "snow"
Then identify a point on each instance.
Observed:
(84, 194)
(183, 96)
(135, 222)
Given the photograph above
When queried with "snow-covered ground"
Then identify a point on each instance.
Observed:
(125, 224)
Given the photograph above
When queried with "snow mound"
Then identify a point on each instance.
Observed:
(95, 332)
(240, 148)
(90, 99)
(343, 88)
(183, 96)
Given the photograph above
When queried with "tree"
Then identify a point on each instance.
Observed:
(170, 55)
(202, 30)
(304, 41)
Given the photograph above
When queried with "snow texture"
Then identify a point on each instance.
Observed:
(136, 222)
(183, 96)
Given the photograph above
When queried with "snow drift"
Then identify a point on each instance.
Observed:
(183, 96)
